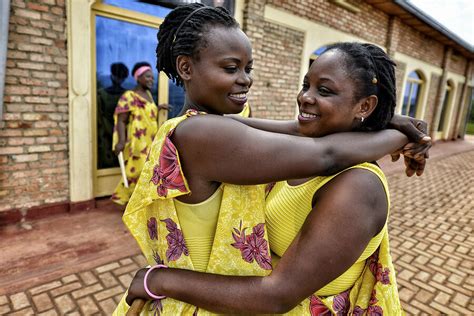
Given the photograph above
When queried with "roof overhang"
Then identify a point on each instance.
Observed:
(417, 19)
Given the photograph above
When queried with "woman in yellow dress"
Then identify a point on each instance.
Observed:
(185, 211)
(328, 233)
(136, 124)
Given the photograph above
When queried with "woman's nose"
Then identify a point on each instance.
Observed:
(306, 97)
(245, 79)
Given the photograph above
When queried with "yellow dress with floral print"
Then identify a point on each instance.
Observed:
(368, 287)
(141, 129)
(240, 244)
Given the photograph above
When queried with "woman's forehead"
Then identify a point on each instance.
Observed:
(225, 39)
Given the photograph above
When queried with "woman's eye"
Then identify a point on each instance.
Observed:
(324, 91)
(230, 69)
(248, 69)
(305, 86)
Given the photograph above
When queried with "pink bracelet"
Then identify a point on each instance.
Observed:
(156, 297)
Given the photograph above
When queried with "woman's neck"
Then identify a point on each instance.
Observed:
(190, 105)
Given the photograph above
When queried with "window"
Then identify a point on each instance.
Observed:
(446, 101)
(411, 96)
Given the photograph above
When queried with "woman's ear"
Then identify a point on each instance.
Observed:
(183, 67)
(367, 106)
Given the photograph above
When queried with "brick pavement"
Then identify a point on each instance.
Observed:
(431, 239)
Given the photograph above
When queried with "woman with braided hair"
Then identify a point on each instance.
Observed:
(220, 228)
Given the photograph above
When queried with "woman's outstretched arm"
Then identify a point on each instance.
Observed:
(217, 149)
(334, 235)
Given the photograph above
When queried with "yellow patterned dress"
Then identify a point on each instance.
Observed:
(140, 130)
(240, 245)
(368, 287)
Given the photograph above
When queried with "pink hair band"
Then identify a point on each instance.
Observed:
(140, 71)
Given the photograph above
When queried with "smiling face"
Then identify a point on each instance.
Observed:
(218, 79)
(326, 101)
(146, 80)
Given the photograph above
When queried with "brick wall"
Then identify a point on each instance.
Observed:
(457, 64)
(417, 45)
(277, 67)
(369, 24)
(34, 126)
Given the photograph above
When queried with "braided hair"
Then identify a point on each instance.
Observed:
(364, 62)
(177, 38)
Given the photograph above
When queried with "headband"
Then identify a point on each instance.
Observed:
(185, 20)
(140, 71)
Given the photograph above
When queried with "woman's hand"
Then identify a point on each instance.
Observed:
(119, 147)
(136, 289)
(416, 130)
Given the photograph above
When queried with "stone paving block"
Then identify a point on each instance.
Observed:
(130, 268)
(24, 312)
(70, 278)
(86, 291)
(51, 312)
(107, 267)
(442, 298)
(442, 308)
(461, 299)
(126, 280)
(140, 260)
(424, 296)
(65, 289)
(19, 300)
(42, 302)
(126, 261)
(108, 280)
(3, 300)
(460, 309)
(88, 278)
(109, 293)
(64, 303)
(108, 306)
(4, 309)
(88, 306)
(45, 287)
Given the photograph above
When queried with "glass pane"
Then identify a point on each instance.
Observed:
(140, 6)
(119, 45)
(414, 99)
(176, 99)
(443, 111)
(414, 75)
(406, 102)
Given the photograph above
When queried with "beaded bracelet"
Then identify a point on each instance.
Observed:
(156, 297)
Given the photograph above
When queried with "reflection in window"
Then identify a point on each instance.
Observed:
(412, 94)
(447, 97)
(119, 46)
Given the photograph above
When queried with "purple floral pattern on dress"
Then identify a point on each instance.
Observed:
(152, 228)
(374, 311)
(341, 303)
(175, 239)
(380, 273)
(167, 175)
(254, 246)
(358, 311)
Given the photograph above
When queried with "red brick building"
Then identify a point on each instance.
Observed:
(59, 53)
